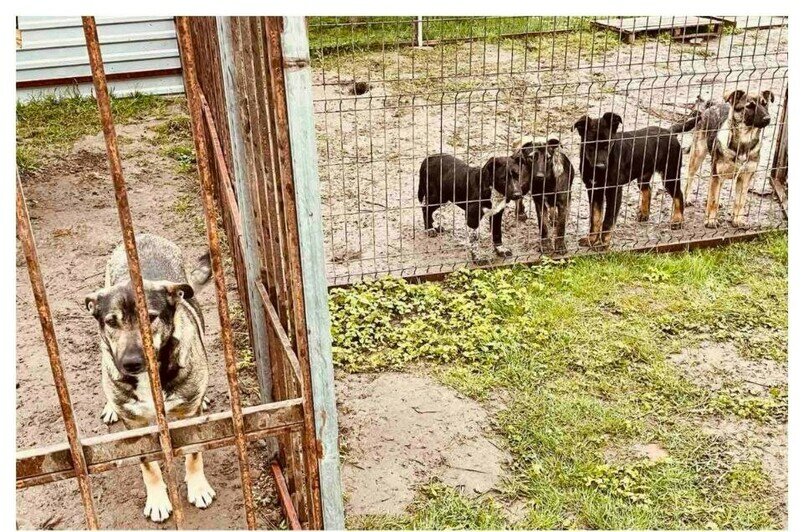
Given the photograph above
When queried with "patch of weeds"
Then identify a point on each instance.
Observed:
(183, 155)
(574, 357)
(174, 137)
(772, 407)
(440, 507)
(27, 160)
(49, 125)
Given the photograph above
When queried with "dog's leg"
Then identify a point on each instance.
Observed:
(644, 202)
(429, 228)
(519, 209)
(157, 502)
(109, 414)
(672, 185)
(542, 215)
(697, 156)
(596, 198)
(560, 246)
(742, 185)
(199, 492)
(614, 199)
(496, 235)
(713, 199)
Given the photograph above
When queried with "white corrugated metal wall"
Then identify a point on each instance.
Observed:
(53, 56)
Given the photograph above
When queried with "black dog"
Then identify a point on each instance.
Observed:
(548, 180)
(444, 178)
(611, 160)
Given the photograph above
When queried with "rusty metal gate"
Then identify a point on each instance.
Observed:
(279, 273)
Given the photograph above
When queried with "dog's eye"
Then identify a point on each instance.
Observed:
(152, 316)
(111, 321)
(750, 105)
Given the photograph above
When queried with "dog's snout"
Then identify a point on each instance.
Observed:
(600, 165)
(516, 196)
(132, 366)
(764, 121)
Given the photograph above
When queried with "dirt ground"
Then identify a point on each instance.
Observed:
(400, 430)
(474, 100)
(74, 219)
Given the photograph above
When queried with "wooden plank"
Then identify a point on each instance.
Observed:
(251, 253)
(133, 446)
(301, 127)
(648, 24)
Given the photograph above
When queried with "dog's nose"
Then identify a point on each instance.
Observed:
(600, 166)
(516, 196)
(132, 366)
(764, 122)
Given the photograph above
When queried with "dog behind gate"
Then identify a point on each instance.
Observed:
(178, 338)
(477, 191)
(731, 133)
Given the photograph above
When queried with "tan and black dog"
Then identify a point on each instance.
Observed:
(730, 132)
(178, 337)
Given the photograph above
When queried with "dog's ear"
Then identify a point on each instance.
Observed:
(553, 144)
(735, 96)
(91, 303)
(580, 125)
(613, 120)
(176, 291)
(769, 96)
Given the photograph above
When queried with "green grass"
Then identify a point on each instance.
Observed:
(328, 34)
(581, 349)
(48, 126)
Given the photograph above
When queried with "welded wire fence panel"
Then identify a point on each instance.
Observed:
(480, 84)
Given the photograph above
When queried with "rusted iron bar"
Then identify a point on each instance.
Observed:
(111, 451)
(284, 496)
(276, 324)
(779, 168)
(76, 453)
(194, 103)
(124, 213)
(276, 76)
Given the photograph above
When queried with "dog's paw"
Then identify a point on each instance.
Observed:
(199, 492)
(642, 217)
(587, 242)
(676, 225)
(205, 403)
(689, 203)
(711, 224)
(522, 217)
(109, 416)
(502, 251)
(560, 249)
(739, 223)
(157, 505)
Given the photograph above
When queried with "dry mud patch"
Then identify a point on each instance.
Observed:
(400, 430)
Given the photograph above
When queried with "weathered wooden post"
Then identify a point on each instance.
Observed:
(304, 161)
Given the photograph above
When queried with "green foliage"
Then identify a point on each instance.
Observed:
(574, 356)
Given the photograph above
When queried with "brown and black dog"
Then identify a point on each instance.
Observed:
(610, 160)
(730, 132)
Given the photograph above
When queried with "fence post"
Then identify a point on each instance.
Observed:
(251, 253)
(418, 31)
(298, 86)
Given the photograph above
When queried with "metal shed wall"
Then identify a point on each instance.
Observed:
(140, 55)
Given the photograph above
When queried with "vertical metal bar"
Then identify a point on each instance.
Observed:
(284, 496)
(311, 311)
(26, 237)
(124, 214)
(194, 103)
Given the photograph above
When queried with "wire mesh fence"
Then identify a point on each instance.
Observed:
(391, 91)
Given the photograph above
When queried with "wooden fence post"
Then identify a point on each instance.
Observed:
(251, 252)
(304, 161)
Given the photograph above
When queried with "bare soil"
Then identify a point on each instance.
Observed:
(75, 222)
(474, 100)
(400, 431)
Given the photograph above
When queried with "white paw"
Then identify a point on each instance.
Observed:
(205, 402)
(502, 251)
(199, 492)
(157, 504)
(109, 416)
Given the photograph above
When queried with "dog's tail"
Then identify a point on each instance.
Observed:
(202, 273)
(688, 124)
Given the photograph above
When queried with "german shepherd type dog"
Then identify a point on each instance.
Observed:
(178, 337)
(610, 160)
(730, 132)
(548, 180)
(444, 178)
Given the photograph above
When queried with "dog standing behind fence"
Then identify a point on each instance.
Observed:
(178, 337)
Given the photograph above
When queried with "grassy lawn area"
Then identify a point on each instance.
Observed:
(583, 356)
